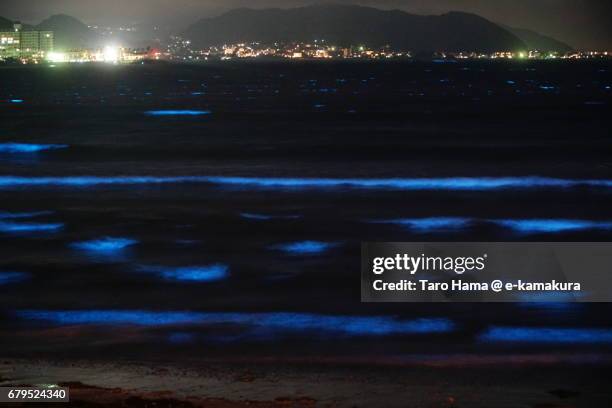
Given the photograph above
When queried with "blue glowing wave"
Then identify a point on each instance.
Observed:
(12, 215)
(305, 247)
(105, 245)
(17, 227)
(546, 335)
(535, 226)
(550, 302)
(292, 322)
(28, 147)
(13, 277)
(523, 226)
(177, 112)
(209, 273)
(453, 183)
(431, 224)
(410, 184)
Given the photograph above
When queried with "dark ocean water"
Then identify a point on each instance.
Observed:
(218, 210)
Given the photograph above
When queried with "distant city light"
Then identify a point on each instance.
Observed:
(56, 57)
(111, 54)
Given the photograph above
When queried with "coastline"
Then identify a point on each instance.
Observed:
(528, 382)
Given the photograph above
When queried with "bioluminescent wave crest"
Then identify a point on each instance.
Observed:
(526, 226)
(92, 181)
(535, 226)
(408, 184)
(305, 247)
(7, 278)
(431, 224)
(17, 215)
(17, 227)
(551, 302)
(453, 183)
(209, 273)
(547, 335)
(105, 245)
(290, 322)
(177, 112)
(28, 147)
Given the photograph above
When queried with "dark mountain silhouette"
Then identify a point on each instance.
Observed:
(537, 41)
(5, 23)
(70, 32)
(355, 25)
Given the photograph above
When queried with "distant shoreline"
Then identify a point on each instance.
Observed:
(313, 61)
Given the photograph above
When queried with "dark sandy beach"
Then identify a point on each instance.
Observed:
(471, 382)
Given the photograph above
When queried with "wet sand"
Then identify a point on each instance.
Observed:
(476, 383)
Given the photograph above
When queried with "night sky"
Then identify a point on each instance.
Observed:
(580, 23)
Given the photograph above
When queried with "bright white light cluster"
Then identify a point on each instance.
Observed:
(109, 54)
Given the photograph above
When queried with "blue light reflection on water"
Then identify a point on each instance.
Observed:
(17, 215)
(431, 224)
(177, 112)
(560, 304)
(209, 273)
(553, 310)
(105, 245)
(347, 325)
(13, 277)
(522, 226)
(22, 227)
(534, 226)
(29, 147)
(305, 247)
(452, 184)
(547, 335)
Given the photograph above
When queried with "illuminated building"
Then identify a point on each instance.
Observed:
(129, 55)
(109, 54)
(25, 44)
